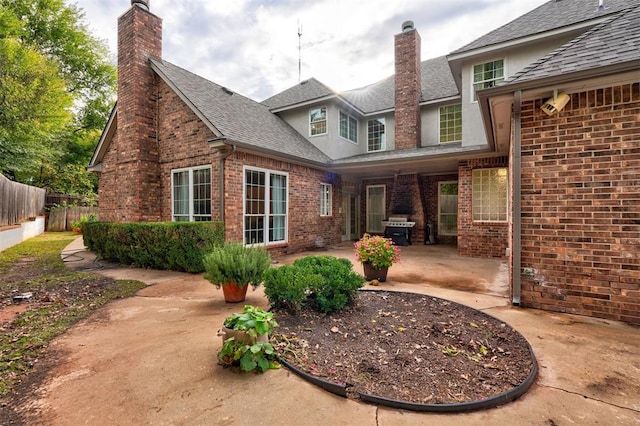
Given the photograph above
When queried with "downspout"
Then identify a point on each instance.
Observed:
(218, 143)
(517, 198)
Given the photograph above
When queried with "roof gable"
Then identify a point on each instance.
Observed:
(552, 15)
(305, 91)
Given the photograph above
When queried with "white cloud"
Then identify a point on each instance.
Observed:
(251, 46)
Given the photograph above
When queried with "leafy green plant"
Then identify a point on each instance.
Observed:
(325, 282)
(78, 225)
(287, 287)
(237, 263)
(379, 251)
(253, 321)
(249, 354)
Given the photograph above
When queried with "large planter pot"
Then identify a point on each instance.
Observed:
(371, 273)
(234, 293)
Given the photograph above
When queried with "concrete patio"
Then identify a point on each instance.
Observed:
(150, 359)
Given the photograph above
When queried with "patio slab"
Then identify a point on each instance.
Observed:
(150, 359)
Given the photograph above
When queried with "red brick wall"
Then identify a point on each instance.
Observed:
(407, 90)
(581, 205)
(478, 239)
(430, 191)
(305, 223)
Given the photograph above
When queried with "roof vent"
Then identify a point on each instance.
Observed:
(227, 91)
(407, 26)
(142, 4)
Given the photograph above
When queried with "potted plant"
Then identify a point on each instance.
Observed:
(234, 267)
(377, 254)
(246, 342)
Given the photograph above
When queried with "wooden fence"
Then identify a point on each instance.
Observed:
(19, 202)
(60, 218)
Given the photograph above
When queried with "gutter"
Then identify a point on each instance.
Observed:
(517, 199)
(225, 152)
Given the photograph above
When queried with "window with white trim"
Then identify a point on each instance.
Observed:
(191, 194)
(448, 208)
(451, 123)
(318, 121)
(376, 135)
(348, 127)
(326, 198)
(376, 210)
(489, 195)
(487, 75)
(266, 195)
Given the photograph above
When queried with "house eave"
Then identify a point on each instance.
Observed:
(105, 140)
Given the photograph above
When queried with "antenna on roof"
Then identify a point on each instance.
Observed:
(601, 5)
(299, 51)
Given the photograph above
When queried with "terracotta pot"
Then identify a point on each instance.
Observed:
(234, 293)
(371, 273)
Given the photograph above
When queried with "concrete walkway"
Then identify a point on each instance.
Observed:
(151, 359)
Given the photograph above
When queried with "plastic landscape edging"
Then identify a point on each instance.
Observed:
(481, 404)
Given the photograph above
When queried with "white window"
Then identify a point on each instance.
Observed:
(376, 135)
(376, 210)
(191, 193)
(265, 206)
(326, 198)
(318, 121)
(489, 196)
(451, 123)
(348, 127)
(448, 208)
(487, 75)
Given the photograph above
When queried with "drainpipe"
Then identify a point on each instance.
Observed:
(220, 145)
(517, 198)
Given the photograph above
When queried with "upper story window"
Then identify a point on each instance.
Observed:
(326, 199)
(348, 127)
(376, 135)
(318, 121)
(451, 123)
(489, 195)
(487, 75)
(191, 191)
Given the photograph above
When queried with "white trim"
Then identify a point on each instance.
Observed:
(445, 182)
(326, 121)
(506, 195)
(384, 207)
(340, 111)
(473, 98)
(191, 214)
(326, 188)
(440, 124)
(383, 145)
(267, 213)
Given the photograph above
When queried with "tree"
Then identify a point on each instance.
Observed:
(56, 90)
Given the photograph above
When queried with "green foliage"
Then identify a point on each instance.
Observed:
(258, 356)
(177, 246)
(286, 287)
(325, 282)
(84, 219)
(249, 355)
(237, 263)
(58, 85)
(253, 320)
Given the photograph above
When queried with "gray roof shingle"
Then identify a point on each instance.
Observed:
(437, 83)
(613, 42)
(238, 118)
(551, 15)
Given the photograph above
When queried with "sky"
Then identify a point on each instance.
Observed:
(251, 46)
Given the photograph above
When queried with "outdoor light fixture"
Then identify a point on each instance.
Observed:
(555, 104)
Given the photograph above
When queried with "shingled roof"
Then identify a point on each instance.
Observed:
(552, 15)
(613, 42)
(437, 83)
(237, 118)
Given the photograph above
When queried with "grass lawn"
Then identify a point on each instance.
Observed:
(60, 298)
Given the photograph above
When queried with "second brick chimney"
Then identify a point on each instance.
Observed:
(407, 87)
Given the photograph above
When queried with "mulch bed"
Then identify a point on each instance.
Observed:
(407, 347)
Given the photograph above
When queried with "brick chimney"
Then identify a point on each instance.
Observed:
(407, 87)
(137, 176)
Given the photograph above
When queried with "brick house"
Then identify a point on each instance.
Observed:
(458, 144)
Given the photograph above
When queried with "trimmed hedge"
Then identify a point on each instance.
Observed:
(176, 246)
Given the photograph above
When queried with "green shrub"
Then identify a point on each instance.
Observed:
(237, 263)
(286, 287)
(339, 282)
(177, 246)
(325, 282)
